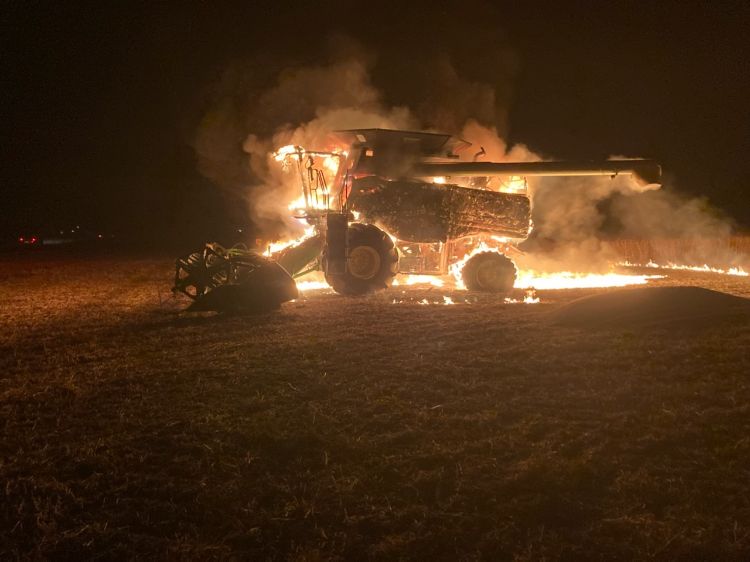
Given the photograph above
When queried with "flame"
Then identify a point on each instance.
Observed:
(433, 280)
(738, 271)
(331, 163)
(447, 301)
(318, 198)
(305, 286)
(287, 151)
(526, 300)
(313, 281)
(513, 184)
(530, 297)
(331, 160)
(278, 246)
(297, 204)
(529, 279)
(456, 268)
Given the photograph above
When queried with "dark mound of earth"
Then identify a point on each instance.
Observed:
(683, 307)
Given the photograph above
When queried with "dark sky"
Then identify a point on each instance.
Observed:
(100, 102)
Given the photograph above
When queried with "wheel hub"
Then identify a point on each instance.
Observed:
(363, 262)
(489, 276)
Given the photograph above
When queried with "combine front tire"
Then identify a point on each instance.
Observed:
(489, 272)
(371, 264)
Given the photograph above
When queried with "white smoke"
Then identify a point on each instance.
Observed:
(571, 215)
(304, 108)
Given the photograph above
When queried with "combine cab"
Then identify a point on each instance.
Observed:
(403, 202)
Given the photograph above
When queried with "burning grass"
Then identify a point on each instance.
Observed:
(353, 428)
(686, 253)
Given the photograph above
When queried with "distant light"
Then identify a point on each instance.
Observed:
(99, 236)
(20, 239)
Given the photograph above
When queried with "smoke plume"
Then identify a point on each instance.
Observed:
(576, 219)
(235, 141)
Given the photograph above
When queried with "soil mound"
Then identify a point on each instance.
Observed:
(686, 307)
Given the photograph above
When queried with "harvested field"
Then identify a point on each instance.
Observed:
(344, 428)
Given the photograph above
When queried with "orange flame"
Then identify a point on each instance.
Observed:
(278, 246)
(737, 271)
(409, 280)
(530, 279)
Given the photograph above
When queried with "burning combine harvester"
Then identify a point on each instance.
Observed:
(391, 202)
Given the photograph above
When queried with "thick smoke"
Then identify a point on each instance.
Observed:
(577, 219)
(235, 145)
(569, 222)
(573, 217)
(452, 101)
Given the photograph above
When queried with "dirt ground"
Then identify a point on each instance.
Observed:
(343, 428)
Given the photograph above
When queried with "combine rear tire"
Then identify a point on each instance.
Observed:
(489, 272)
(371, 265)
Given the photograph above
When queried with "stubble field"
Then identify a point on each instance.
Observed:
(341, 428)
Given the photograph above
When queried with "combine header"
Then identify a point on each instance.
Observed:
(398, 202)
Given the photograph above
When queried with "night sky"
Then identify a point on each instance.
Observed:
(101, 102)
